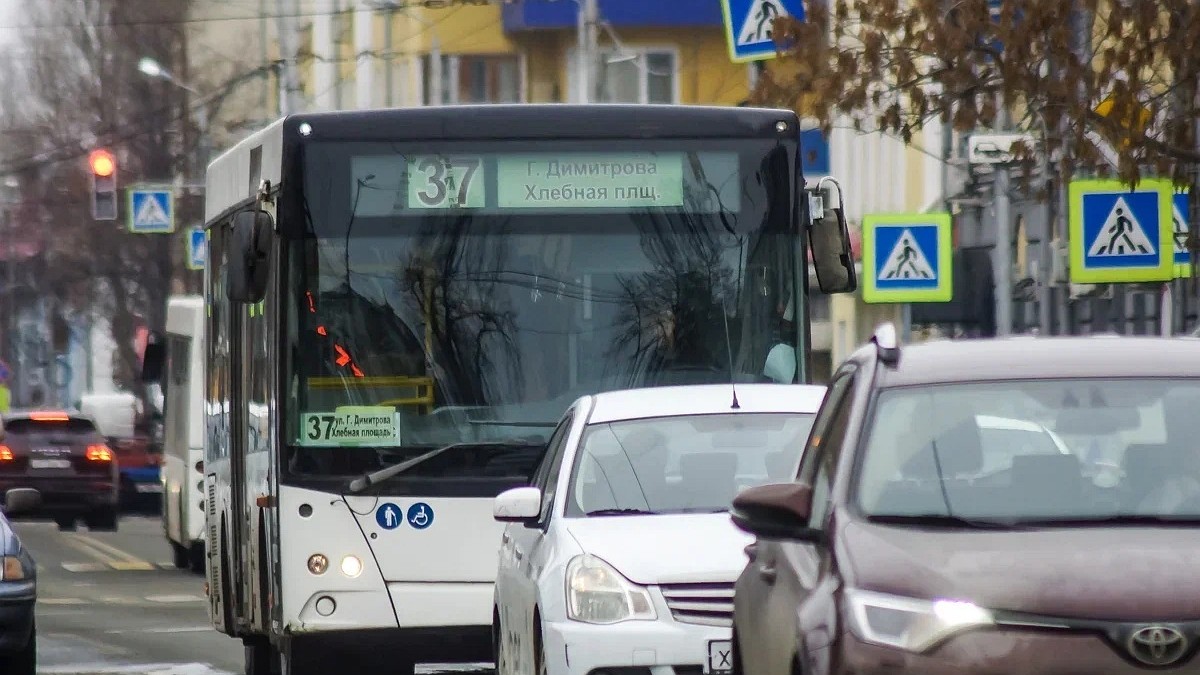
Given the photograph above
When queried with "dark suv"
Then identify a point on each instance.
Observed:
(63, 456)
(918, 538)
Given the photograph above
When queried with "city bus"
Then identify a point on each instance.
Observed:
(401, 303)
(182, 384)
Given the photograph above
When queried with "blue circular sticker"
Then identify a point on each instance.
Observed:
(420, 515)
(388, 516)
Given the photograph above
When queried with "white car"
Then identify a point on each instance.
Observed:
(621, 557)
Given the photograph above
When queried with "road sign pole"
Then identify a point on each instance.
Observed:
(1003, 262)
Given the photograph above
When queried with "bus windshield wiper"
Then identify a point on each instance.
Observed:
(367, 480)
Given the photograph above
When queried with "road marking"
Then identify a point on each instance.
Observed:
(62, 601)
(134, 669)
(117, 566)
(82, 547)
(113, 550)
(174, 598)
(165, 629)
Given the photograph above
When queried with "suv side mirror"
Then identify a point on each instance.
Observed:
(775, 511)
(249, 256)
(518, 505)
(21, 500)
(829, 242)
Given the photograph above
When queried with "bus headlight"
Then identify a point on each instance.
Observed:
(317, 563)
(351, 566)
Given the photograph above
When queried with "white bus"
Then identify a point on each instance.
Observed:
(401, 303)
(183, 431)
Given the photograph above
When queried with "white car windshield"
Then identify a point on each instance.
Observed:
(687, 464)
(1035, 451)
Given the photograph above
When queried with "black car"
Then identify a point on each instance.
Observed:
(18, 590)
(65, 458)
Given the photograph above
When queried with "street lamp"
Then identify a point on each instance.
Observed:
(152, 68)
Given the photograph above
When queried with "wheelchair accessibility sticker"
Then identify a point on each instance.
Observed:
(420, 516)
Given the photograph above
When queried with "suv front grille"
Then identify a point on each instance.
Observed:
(705, 604)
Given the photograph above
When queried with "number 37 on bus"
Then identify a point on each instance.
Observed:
(400, 305)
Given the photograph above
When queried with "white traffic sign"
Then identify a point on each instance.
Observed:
(151, 210)
(749, 26)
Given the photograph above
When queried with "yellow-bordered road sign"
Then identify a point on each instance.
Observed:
(1118, 235)
(907, 257)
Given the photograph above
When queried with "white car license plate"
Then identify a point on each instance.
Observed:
(49, 463)
(148, 487)
(720, 657)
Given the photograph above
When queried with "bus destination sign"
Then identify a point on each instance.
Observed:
(387, 185)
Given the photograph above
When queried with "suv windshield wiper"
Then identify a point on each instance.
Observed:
(941, 520)
(378, 476)
(620, 512)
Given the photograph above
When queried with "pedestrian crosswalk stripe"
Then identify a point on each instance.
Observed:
(116, 566)
(1121, 234)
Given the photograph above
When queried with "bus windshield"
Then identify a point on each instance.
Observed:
(468, 293)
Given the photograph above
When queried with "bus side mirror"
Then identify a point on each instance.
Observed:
(829, 243)
(249, 256)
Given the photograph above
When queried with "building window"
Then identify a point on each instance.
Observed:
(637, 76)
(473, 79)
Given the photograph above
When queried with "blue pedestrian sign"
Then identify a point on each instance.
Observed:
(151, 210)
(907, 258)
(197, 248)
(1179, 232)
(389, 516)
(1118, 235)
(420, 515)
(749, 26)
(5, 372)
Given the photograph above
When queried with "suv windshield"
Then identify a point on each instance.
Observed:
(471, 296)
(690, 464)
(1035, 451)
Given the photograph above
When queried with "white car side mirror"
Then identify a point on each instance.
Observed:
(518, 505)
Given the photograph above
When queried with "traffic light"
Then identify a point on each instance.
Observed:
(103, 166)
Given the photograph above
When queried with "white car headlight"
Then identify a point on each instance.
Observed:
(597, 593)
(910, 624)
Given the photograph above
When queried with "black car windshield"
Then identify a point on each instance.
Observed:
(687, 464)
(1040, 451)
(468, 297)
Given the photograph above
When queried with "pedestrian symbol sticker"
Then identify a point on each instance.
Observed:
(388, 516)
(906, 260)
(750, 26)
(1121, 234)
(420, 515)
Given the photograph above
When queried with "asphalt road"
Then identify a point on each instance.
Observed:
(112, 603)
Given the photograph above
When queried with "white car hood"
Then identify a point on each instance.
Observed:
(666, 549)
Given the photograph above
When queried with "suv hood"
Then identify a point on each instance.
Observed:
(666, 549)
(1107, 573)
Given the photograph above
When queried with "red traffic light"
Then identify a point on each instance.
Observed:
(102, 163)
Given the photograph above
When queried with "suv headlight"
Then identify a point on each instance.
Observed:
(910, 624)
(597, 593)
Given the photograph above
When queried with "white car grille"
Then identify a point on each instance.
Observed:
(705, 604)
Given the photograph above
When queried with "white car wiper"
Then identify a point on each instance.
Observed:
(367, 480)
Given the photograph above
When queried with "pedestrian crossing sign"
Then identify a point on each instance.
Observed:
(750, 26)
(907, 258)
(197, 248)
(151, 210)
(1118, 235)
(1179, 232)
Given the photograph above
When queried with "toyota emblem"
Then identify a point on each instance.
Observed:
(1157, 645)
